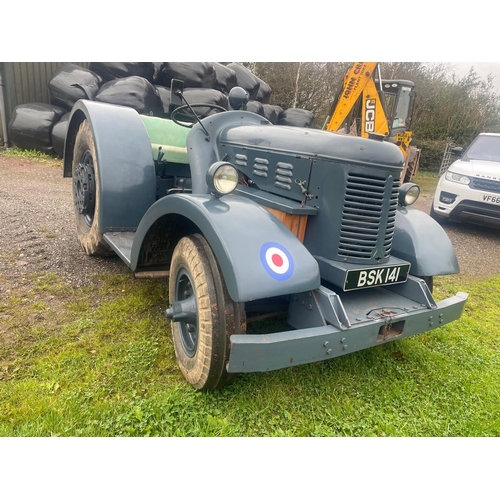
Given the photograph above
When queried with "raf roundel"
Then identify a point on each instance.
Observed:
(277, 261)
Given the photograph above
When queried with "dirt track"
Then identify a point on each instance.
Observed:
(38, 235)
(37, 227)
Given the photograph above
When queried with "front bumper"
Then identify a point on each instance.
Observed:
(361, 321)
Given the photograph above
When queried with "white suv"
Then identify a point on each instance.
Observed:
(470, 189)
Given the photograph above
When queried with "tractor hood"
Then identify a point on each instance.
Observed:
(305, 142)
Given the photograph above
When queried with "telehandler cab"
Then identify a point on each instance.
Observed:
(247, 218)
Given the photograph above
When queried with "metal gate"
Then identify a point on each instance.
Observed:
(447, 157)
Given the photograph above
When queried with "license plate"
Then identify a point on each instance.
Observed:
(403, 137)
(491, 199)
(385, 275)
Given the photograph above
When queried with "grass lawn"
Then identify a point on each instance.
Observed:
(72, 368)
(105, 366)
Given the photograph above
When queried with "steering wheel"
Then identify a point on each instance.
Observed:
(189, 121)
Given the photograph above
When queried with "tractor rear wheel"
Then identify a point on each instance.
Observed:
(202, 313)
(86, 193)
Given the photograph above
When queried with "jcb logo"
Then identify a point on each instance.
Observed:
(370, 115)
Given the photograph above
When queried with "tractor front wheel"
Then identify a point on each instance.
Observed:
(202, 313)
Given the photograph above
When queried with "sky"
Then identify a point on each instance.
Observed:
(483, 69)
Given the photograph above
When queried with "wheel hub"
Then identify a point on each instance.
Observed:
(84, 187)
(184, 312)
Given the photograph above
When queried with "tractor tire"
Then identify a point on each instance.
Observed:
(86, 193)
(201, 341)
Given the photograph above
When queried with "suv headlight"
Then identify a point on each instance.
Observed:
(461, 179)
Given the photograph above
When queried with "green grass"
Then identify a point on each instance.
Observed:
(426, 180)
(100, 362)
(32, 154)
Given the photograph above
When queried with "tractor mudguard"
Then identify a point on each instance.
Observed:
(259, 257)
(126, 171)
(422, 242)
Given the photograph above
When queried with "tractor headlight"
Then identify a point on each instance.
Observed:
(461, 179)
(408, 194)
(222, 178)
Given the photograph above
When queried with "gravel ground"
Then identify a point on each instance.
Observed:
(37, 232)
(477, 247)
(37, 229)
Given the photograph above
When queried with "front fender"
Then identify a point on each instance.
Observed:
(127, 179)
(259, 257)
(422, 242)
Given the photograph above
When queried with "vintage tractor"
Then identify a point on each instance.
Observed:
(249, 219)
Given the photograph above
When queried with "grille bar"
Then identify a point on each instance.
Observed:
(368, 217)
(485, 185)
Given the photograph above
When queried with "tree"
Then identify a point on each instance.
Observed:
(446, 106)
(306, 85)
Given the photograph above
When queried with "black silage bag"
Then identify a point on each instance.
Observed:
(164, 93)
(59, 134)
(203, 96)
(297, 117)
(111, 70)
(255, 107)
(206, 96)
(193, 74)
(134, 92)
(264, 93)
(194, 96)
(225, 78)
(71, 82)
(246, 79)
(272, 112)
(31, 124)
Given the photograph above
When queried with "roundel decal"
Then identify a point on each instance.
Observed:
(277, 261)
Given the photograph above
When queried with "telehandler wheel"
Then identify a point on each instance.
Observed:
(86, 193)
(188, 118)
(203, 314)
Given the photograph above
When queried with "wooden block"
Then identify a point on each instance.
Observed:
(295, 223)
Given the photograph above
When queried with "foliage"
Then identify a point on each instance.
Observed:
(446, 106)
(306, 85)
(431, 153)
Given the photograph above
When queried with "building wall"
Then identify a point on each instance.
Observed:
(31, 80)
(26, 82)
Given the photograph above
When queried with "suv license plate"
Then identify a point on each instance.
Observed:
(366, 278)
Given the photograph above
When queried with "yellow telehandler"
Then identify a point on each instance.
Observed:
(368, 106)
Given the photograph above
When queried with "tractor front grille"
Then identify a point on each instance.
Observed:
(368, 217)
